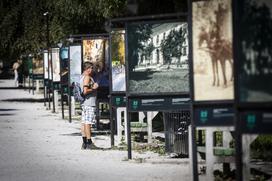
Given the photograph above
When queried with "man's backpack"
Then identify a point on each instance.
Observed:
(78, 93)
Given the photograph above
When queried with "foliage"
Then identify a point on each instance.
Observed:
(137, 34)
(171, 46)
(261, 148)
(23, 25)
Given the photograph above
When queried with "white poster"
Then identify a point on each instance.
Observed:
(75, 63)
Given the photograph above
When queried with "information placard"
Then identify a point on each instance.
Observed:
(161, 103)
(216, 115)
(118, 100)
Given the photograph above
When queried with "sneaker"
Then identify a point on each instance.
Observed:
(93, 147)
(84, 146)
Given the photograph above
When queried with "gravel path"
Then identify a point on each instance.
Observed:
(38, 145)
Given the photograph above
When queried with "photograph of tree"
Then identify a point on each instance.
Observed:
(212, 50)
(37, 65)
(45, 64)
(118, 61)
(56, 64)
(255, 70)
(158, 57)
(75, 63)
(96, 51)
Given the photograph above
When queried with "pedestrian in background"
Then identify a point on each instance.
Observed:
(15, 67)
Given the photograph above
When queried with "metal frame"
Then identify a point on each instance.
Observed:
(61, 82)
(69, 78)
(241, 107)
(152, 19)
(181, 20)
(201, 104)
(110, 56)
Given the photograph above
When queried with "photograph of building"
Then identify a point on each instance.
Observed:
(157, 53)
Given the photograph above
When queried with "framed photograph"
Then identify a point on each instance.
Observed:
(64, 65)
(45, 64)
(96, 50)
(255, 56)
(75, 63)
(157, 57)
(50, 64)
(118, 61)
(37, 65)
(56, 64)
(212, 50)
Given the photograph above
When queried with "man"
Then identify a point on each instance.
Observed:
(15, 67)
(89, 88)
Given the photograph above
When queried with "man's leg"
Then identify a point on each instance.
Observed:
(84, 139)
(88, 133)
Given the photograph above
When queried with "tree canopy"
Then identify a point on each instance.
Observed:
(23, 25)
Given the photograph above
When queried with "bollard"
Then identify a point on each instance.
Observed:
(73, 106)
(56, 100)
(37, 86)
(120, 128)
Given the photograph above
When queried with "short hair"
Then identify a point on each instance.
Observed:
(87, 65)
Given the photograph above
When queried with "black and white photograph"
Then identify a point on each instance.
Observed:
(118, 61)
(212, 50)
(255, 70)
(56, 64)
(158, 57)
(37, 65)
(45, 64)
(75, 63)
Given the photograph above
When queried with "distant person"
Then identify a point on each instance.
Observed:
(15, 67)
(89, 88)
(20, 73)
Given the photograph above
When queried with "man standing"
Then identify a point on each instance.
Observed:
(89, 88)
(15, 67)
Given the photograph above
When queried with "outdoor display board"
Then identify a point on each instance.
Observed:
(37, 65)
(212, 62)
(254, 68)
(64, 65)
(255, 59)
(55, 64)
(45, 64)
(157, 60)
(96, 50)
(75, 57)
(118, 73)
(50, 64)
(212, 50)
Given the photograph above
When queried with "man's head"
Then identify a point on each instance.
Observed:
(88, 66)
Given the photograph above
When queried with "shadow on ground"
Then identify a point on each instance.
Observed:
(24, 100)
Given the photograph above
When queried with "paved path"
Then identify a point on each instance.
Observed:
(37, 145)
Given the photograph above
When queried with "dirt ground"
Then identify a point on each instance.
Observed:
(37, 144)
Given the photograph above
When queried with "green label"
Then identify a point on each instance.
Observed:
(203, 116)
(251, 121)
(117, 101)
(135, 104)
